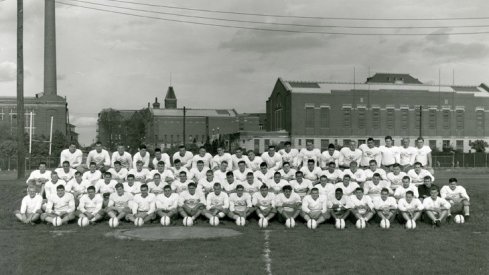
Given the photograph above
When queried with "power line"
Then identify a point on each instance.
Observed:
(272, 30)
(301, 17)
(283, 24)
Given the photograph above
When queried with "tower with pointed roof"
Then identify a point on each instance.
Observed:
(170, 99)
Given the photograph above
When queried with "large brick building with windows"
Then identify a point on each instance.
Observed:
(386, 104)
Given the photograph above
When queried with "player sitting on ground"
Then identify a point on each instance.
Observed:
(143, 206)
(385, 206)
(90, 206)
(339, 205)
(436, 208)
(140, 173)
(315, 207)
(264, 202)
(457, 196)
(424, 190)
(61, 205)
(240, 204)
(50, 186)
(288, 204)
(167, 203)
(30, 208)
(362, 206)
(191, 203)
(39, 177)
(119, 203)
(410, 207)
(217, 204)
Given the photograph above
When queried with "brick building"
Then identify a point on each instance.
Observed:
(386, 104)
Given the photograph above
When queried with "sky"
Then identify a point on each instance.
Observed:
(123, 62)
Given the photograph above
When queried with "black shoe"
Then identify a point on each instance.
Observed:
(466, 218)
(438, 223)
(449, 218)
(433, 224)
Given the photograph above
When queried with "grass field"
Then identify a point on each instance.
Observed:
(451, 249)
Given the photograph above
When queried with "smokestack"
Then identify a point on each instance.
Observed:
(50, 48)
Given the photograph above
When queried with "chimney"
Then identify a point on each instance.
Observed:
(156, 104)
(50, 48)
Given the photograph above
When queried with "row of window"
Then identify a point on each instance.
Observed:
(459, 144)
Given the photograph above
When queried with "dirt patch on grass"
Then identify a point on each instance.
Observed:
(172, 233)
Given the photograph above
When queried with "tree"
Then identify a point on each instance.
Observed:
(479, 145)
(110, 124)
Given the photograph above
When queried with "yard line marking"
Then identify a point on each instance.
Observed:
(266, 253)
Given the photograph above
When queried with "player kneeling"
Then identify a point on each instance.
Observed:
(385, 206)
(264, 202)
(167, 203)
(90, 206)
(315, 207)
(118, 206)
(339, 206)
(217, 204)
(240, 205)
(30, 208)
(191, 203)
(362, 206)
(60, 205)
(410, 207)
(143, 206)
(288, 204)
(436, 208)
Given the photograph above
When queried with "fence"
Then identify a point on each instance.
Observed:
(31, 163)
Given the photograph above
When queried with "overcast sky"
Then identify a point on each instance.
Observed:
(109, 60)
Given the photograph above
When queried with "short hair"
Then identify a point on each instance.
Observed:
(183, 173)
(229, 173)
(310, 161)
(181, 146)
(339, 190)
(299, 173)
(238, 149)
(98, 143)
(143, 186)
(433, 188)
(410, 193)
(157, 174)
(285, 163)
(66, 162)
(359, 189)
(332, 162)
(427, 178)
(287, 187)
(372, 161)
(224, 161)
(217, 184)
(119, 185)
(450, 180)
(157, 150)
(239, 186)
(314, 189)
(130, 176)
(388, 137)
(192, 184)
(396, 165)
(78, 173)
(107, 174)
(418, 163)
(241, 162)
(420, 139)
(287, 143)
(54, 173)
(167, 187)
(323, 177)
(263, 186)
(271, 147)
(92, 163)
(354, 162)
(384, 190)
(376, 175)
(370, 139)
(200, 161)
(277, 173)
(346, 176)
(263, 164)
(201, 147)
(177, 161)
(160, 162)
(406, 178)
(250, 174)
(42, 162)
(210, 172)
(139, 162)
(142, 146)
(91, 187)
(117, 162)
(60, 187)
(331, 145)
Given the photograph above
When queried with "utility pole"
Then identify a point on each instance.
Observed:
(20, 91)
(420, 121)
(184, 118)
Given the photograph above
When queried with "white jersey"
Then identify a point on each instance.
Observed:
(369, 154)
(162, 202)
(301, 188)
(190, 200)
(436, 205)
(357, 176)
(251, 187)
(220, 176)
(388, 204)
(75, 158)
(167, 173)
(50, 187)
(390, 155)
(237, 159)
(311, 205)
(119, 176)
(176, 172)
(125, 159)
(64, 175)
(264, 178)
(395, 180)
(334, 176)
(207, 159)
(328, 190)
(288, 176)
(197, 174)
(154, 188)
(241, 175)
(102, 187)
(281, 200)
(262, 202)
(401, 191)
(414, 205)
(30, 205)
(347, 190)
(327, 158)
(291, 157)
(273, 162)
(217, 159)
(254, 164)
(92, 177)
(165, 158)
(221, 200)
(178, 186)
(143, 204)
(422, 155)
(459, 193)
(37, 176)
(276, 186)
(418, 179)
(339, 204)
(120, 202)
(139, 175)
(369, 174)
(206, 186)
(90, 205)
(186, 159)
(134, 189)
(364, 202)
(57, 204)
(407, 155)
(312, 175)
(347, 156)
(373, 190)
(79, 187)
(240, 204)
(229, 186)
(101, 159)
(305, 155)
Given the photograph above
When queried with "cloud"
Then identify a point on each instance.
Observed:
(8, 71)
(83, 121)
(451, 51)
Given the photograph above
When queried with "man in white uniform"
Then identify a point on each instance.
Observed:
(330, 155)
(288, 204)
(61, 205)
(410, 207)
(39, 177)
(123, 157)
(369, 152)
(143, 206)
(315, 207)
(289, 154)
(423, 154)
(407, 155)
(30, 208)
(220, 157)
(217, 203)
(191, 203)
(349, 154)
(436, 208)
(184, 156)
(159, 156)
(118, 206)
(309, 153)
(90, 206)
(240, 204)
(389, 153)
(395, 177)
(143, 156)
(203, 156)
(458, 198)
(73, 156)
(264, 203)
(385, 206)
(272, 158)
(100, 156)
(118, 172)
(418, 173)
(167, 203)
(254, 161)
(362, 206)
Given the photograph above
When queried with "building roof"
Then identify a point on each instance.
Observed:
(195, 112)
(393, 78)
(326, 87)
(170, 93)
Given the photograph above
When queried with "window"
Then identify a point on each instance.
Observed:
(459, 117)
(171, 140)
(347, 117)
(299, 142)
(432, 118)
(417, 118)
(346, 142)
(256, 146)
(479, 119)
(376, 118)
(377, 142)
(324, 144)
(310, 140)
(459, 145)
(309, 117)
(446, 143)
(324, 117)
(361, 141)
(432, 144)
(267, 143)
(390, 118)
(446, 119)
(405, 119)
(362, 120)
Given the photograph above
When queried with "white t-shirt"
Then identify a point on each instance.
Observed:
(144, 204)
(291, 157)
(251, 187)
(217, 159)
(395, 180)
(459, 193)
(167, 203)
(206, 186)
(401, 191)
(254, 164)
(75, 158)
(125, 159)
(301, 188)
(237, 203)
(36, 175)
(414, 205)
(373, 190)
(264, 178)
(120, 175)
(288, 176)
(364, 202)
(347, 190)
(30, 205)
(102, 187)
(101, 159)
(422, 155)
(197, 174)
(390, 155)
(141, 175)
(57, 204)
(167, 173)
(178, 186)
(156, 189)
(328, 190)
(92, 206)
(369, 174)
(418, 179)
(165, 158)
(221, 200)
(79, 187)
(312, 175)
(357, 176)
(92, 177)
(305, 155)
(407, 155)
(262, 202)
(236, 159)
(380, 204)
(186, 159)
(273, 162)
(120, 202)
(436, 205)
(281, 199)
(335, 176)
(190, 200)
(207, 159)
(276, 186)
(369, 154)
(311, 205)
(241, 175)
(66, 176)
(326, 158)
(347, 156)
(50, 187)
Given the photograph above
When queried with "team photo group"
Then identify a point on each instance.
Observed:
(355, 186)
